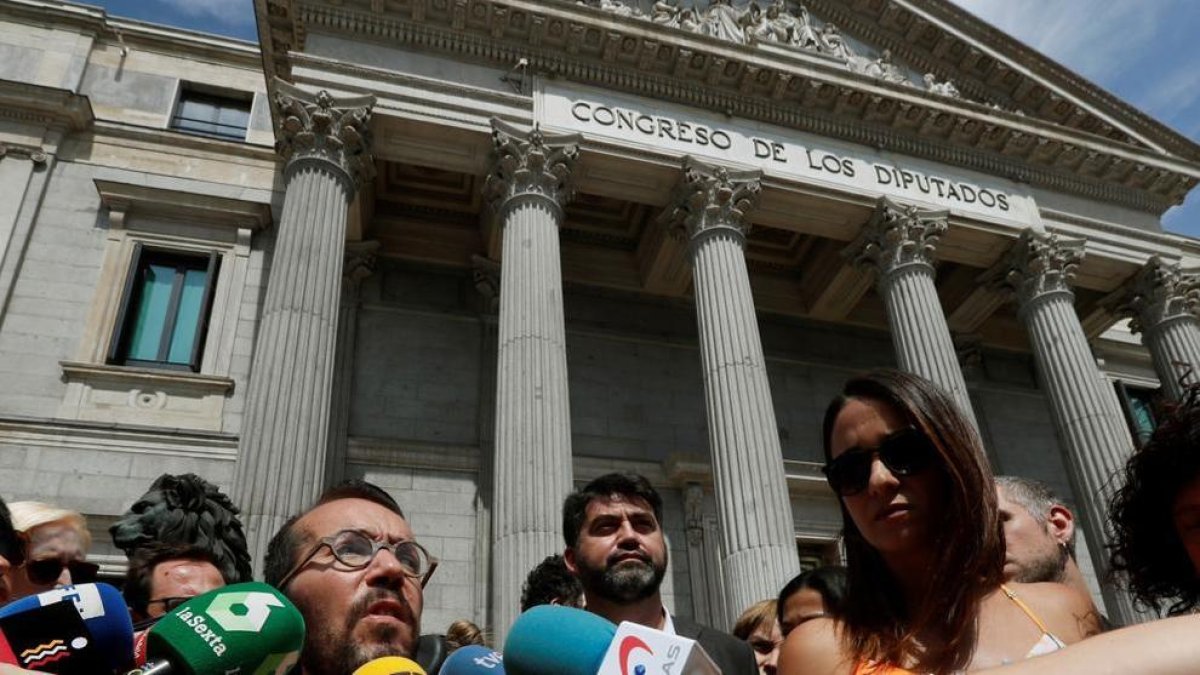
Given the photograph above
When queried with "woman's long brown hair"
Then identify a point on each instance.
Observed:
(878, 625)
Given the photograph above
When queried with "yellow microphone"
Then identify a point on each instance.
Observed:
(390, 665)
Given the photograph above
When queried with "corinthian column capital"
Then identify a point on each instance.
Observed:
(530, 165)
(711, 199)
(1159, 292)
(897, 236)
(317, 128)
(1039, 265)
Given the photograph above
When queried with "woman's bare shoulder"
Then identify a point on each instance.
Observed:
(814, 648)
(1068, 613)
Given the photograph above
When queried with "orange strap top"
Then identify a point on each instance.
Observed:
(1048, 643)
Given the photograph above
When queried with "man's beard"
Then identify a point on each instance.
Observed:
(331, 650)
(623, 581)
(1045, 569)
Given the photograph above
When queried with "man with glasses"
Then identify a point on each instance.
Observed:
(351, 566)
(163, 577)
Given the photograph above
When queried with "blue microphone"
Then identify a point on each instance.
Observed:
(473, 660)
(80, 629)
(557, 640)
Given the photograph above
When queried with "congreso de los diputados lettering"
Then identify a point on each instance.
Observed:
(480, 252)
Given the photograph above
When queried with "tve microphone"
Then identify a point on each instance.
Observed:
(473, 660)
(557, 640)
(74, 629)
(243, 628)
(390, 665)
(639, 649)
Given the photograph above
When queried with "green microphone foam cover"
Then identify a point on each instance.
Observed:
(247, 628)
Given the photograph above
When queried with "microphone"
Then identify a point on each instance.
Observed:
(243, 628)
(72, 630)
(473, 660)
(557, 640)
(641, 649)
(390, 665)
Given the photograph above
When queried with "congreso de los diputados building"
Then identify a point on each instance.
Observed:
(479, 252)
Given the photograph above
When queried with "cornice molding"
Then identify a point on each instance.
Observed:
(209, 209)
(132, 33)
(49, 106)
(794, 90)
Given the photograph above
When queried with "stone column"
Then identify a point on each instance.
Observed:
(1162, 301)
(486, 274)
(282, 450)
(898, 244)
(758, 537)
(359, 263)
(528, 187)
(1096, 444)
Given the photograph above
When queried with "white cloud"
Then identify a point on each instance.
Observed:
(1099, 40)
(228, 12)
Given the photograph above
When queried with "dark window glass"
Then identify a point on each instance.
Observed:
(213, 115)
(1139, 405)
(164, 312)
(817, 554)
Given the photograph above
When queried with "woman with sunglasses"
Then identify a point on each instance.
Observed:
(56, 546)
(924, 546)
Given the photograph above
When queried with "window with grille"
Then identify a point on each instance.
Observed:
(165, 309)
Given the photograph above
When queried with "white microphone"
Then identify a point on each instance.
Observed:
(639, 650)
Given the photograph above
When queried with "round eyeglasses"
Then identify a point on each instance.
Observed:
(356, 550)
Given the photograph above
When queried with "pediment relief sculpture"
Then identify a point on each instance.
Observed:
(775, 22)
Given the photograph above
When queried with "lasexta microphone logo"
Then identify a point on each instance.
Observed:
(628, 645)
(231, 612)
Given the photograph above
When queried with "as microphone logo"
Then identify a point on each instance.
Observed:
(628, 645)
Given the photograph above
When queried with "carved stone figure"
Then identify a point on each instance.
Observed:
(619, 8)
(885, 69)
(803, 35)
(763, 25)
(666, 13)
(831, 42)
(722, 20)
(946, 88)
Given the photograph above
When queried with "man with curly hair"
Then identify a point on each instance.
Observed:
(1156, 515)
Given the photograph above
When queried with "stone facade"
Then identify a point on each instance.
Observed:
(577, 236)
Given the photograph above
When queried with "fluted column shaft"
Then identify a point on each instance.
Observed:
(1174, 346)
(359, 263)
(1094, 441)
(528, 188)
(899, 243)
(1162, 300)
(757, 533)
(284, 442)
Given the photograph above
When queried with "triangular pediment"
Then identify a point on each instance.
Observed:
(925, 44)
(780, 26)
(921, 77)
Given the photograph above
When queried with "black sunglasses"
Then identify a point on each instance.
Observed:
(42, 572)
(904, 453)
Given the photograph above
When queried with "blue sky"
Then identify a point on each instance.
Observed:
(1147, 52)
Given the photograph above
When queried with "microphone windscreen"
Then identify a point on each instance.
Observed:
(557, 640)
(247, 628)
(70, 629)
(473, 660)
(391, 665)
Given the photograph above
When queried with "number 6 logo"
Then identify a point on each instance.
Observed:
(257, 608)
